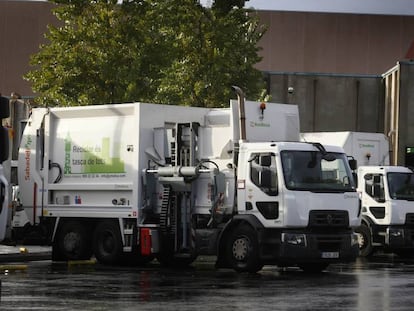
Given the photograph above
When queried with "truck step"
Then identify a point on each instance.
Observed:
(128, 231)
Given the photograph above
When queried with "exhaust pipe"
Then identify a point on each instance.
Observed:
(242, 114)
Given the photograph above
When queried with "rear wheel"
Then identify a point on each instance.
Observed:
(73, 241)
(107, 243)
(364, 241)
(243, 249)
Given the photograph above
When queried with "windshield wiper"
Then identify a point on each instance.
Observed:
(331, 190)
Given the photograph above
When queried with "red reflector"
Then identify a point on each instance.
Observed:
(145, 241)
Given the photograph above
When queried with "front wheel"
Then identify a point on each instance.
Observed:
(364, 241)
(243, 249)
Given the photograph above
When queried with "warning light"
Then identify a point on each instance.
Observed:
(262, 108)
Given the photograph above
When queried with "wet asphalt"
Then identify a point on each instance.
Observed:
(384, 282)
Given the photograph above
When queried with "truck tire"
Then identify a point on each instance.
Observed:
(73, 241)
(107, 243)
(364, 241)
(243, 249)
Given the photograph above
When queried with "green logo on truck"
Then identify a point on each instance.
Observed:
(95, 159)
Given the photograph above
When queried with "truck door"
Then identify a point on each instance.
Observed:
(262, 187)
(374, 201)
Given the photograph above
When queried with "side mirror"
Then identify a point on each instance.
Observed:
(265, 160)
(378, 193)
(352, 164)
(266, 179)
(377, 179)
(355, 176)
(266, 184)
(4, 108)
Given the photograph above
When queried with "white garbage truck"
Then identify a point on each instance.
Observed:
(4, 168)
(133, 182)
(386, 192)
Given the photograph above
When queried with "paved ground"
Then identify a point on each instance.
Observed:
(376, 284)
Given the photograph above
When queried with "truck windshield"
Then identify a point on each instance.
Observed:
(401, 186)
(314, 171)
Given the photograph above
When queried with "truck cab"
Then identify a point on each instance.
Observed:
(301, 200)
(387, 195)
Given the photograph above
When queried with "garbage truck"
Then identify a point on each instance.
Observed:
(135, 182)
(386, 192)
(4, 168)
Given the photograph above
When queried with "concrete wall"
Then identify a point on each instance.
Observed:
(399, 111)
(363, 103)
(332, 102)
(22, 28)
(334, 43)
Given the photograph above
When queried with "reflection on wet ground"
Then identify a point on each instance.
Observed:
(382, 283)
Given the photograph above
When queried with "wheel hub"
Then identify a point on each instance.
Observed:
(71, 241)
(361, 240)
(240, 248)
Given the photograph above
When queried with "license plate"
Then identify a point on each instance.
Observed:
(330, 255)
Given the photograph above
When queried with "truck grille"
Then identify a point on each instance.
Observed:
(328, 243)
(409, 219)
(328, 218)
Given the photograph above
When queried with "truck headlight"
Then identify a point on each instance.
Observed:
(294, 239)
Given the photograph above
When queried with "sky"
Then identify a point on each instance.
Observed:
(387, 7)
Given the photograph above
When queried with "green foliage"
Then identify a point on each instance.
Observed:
(171, 51)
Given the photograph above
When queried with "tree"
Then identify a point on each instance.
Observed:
(171, 51)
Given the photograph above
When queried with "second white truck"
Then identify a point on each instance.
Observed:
(133, 182)
(386, 192)
(4, 170)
